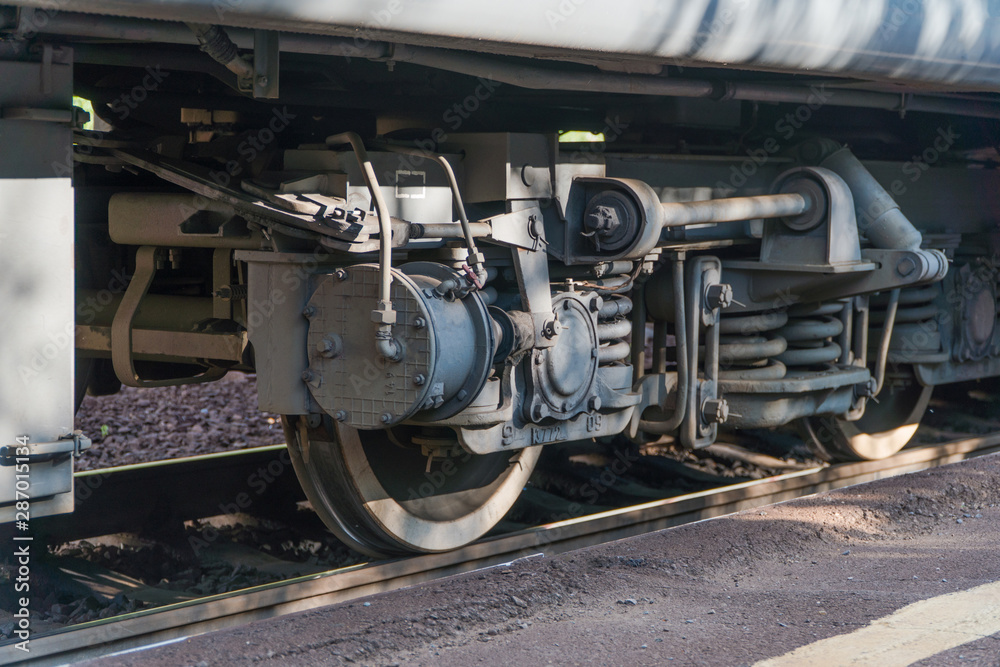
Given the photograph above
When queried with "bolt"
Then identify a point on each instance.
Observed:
(340, 415)
(461, 394)
(419, 380)
(906, 267)
(594, 403)
(595, 303)
(603, 220)
(419, 323)
(329, 347)
(549, 329)
(719, 295)
(341, 274)
(715, 410)
(538, 412)
(309, 312)
(539, 358)
(308, 376)
(386, 417)
(262, 80)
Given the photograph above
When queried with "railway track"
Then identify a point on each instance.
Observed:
(177, 621)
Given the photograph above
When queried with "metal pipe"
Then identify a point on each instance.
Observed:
(676, 214)
(684, 363)
(525, 76)
(539, 78)
(384, 313)
(448, 230)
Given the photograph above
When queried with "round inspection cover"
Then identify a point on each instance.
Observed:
(566, 375)
(352, 382)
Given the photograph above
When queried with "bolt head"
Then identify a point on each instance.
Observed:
(594, 403)
(906, 267)
(715, 410)
(309, 312)
(341, 274)
(419, 379)
(386, 417)
(419, 323)
(340, 415)
(719, 295)
(308, 376)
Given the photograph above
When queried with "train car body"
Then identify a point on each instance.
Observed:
(446, 234)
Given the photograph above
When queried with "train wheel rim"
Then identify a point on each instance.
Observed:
(380, 499)
(885, 428)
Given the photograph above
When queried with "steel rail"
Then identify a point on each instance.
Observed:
(185, 619)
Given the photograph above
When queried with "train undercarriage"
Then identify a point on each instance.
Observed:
(436, 269)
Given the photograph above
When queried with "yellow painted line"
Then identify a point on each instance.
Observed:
(913, 633)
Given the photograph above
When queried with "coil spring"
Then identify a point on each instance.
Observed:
(811, 332)
(749, 345)
(613, 329)
(765, 345)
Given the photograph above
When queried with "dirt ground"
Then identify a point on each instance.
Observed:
(728, 591)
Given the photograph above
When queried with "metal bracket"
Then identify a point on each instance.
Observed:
(532, 269)
(706, 272)
(73, 443)
(519, 229)
(146, 259)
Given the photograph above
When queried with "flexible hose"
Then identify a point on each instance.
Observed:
(384, 343)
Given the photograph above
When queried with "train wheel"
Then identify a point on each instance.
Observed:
(884, 429)
(380, 498)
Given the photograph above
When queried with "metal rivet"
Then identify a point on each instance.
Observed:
(462, 394)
